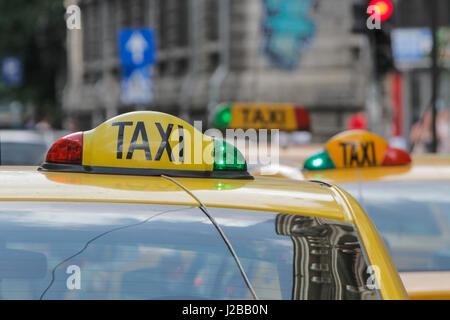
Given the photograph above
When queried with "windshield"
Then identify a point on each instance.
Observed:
(133, 251)
(413, 217)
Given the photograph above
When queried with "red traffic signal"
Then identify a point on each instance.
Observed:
(383, 11)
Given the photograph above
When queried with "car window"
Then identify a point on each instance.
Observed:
(413, 217)
(69, 250)
(26, 154)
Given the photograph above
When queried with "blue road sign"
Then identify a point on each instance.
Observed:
(411, 47)
(12, 71)
(137, 47)
(136, 86)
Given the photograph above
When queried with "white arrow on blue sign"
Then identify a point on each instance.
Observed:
(137, 47)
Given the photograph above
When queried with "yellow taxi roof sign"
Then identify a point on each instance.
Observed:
(146, 143)
(356, 149)
(261, 115)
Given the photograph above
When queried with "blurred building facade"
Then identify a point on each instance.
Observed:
(212, 51)
(416, 79)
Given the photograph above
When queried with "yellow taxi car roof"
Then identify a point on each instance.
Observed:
(261, 193)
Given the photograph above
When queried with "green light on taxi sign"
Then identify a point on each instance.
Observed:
(227, 157)
(222, 116)
(320, 161)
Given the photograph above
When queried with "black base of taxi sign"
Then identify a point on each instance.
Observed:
(62, 167)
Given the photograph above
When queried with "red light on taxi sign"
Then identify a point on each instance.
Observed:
(302, 117)
(385, 9)
(68, 149)
(394, 156)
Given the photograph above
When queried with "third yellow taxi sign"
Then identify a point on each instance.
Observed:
(146, 143)
(357, 148)
(247, 115)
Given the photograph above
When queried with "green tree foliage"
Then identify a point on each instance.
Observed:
(34, 31)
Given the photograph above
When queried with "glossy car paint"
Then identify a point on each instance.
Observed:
(264, 194)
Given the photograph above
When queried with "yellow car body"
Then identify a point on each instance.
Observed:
(432, 168)
(27, 185)
(420, 285)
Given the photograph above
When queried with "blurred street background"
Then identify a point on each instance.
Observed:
(70, 65)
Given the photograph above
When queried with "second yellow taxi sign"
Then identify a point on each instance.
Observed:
(357, 149)
(146, 143)
(247, 115)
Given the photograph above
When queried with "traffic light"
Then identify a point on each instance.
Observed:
(369, 15)
(384, 9)
(376, 24)
(382, 51)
